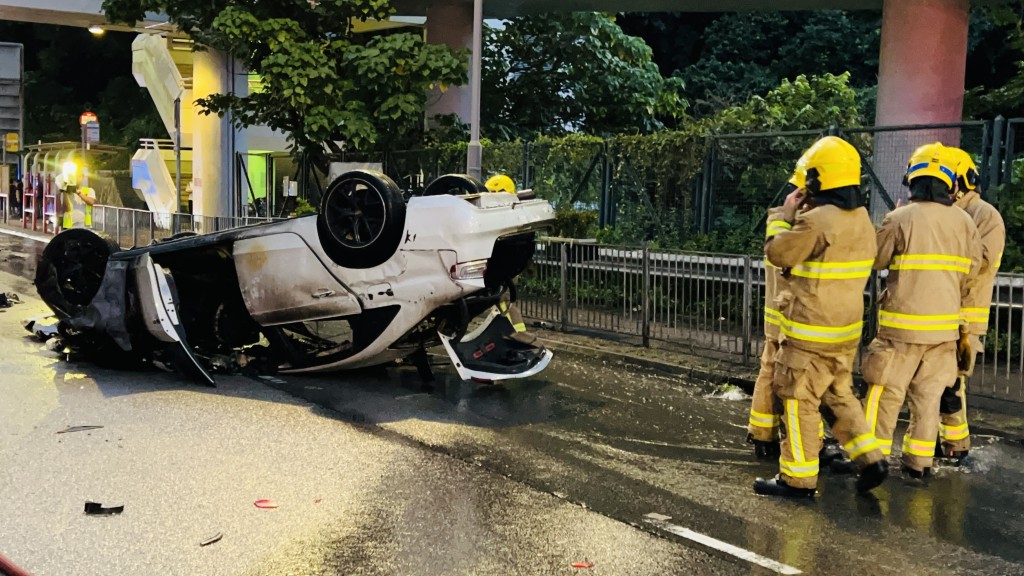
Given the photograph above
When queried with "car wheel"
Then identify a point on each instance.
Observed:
(71, 270)
(361, 219)
(455, 185)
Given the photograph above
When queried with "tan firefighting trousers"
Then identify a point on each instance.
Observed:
(511, 311)
(764, 420)
(953, 429)
(802, 380)
(764, 408)
(917, 373)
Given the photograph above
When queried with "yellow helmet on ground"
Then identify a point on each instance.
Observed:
(966, 170)
(799, 177)
(831, 163)
(500, 183)
(933, 160)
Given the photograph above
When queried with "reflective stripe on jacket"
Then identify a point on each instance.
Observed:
(827, 254)
(933, 254)
(976, 305)
(773, 280)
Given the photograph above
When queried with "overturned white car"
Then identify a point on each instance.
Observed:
(368, 280)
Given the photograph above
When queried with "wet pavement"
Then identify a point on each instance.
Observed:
(461, 478)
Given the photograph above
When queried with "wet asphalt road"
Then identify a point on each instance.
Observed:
(463, 478)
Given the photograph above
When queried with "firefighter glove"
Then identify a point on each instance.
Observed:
(950, 403)
(963, 352)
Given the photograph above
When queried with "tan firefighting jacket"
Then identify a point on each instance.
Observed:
(975, 308)
(933, 254)
(826, 257)
(773, 280)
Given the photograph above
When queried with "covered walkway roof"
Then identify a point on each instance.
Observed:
(85, 13)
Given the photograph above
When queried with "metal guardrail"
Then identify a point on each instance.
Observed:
(714, 303)
(130, 227)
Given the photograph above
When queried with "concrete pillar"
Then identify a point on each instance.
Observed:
(451, 25)
(214, 139)
(920, 81)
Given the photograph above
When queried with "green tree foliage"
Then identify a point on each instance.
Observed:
(750, 53)
(995, 69)
(576, 71)
(805, 103)
(656, 174)
(322, 81)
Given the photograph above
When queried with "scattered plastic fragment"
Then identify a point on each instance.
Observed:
(97, 509)
(583, 564)
(78, 429)
(317, 501)
(9, 568)
(212, 539)
(265, 504)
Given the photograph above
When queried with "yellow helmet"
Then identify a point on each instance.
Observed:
(831, 162)
(799, 177)
(966, 170)
(500, 183)
(933, 160)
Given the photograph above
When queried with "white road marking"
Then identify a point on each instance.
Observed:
(661, 521)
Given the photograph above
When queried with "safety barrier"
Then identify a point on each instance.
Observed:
(130, 227)
(705, 300)
(714, 304)
(1000, 371)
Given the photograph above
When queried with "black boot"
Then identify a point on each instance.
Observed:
(916, 474)
(872, 475)
(842, 466)
(945, 453)
(778, 487)
(830, 451)
(765, 450)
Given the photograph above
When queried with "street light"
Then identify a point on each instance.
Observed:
(96, 30)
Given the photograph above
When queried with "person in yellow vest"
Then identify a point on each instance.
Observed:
(77, 203)
(826, 251)
(954, 434)
(502, 183)
(933, 254)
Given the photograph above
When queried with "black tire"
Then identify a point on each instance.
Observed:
(71, 270)
(455, 185)
(361, 220)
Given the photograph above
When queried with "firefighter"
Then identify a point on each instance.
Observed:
(506, 305)
(763, 425)
(826, 253)
(933, 254)
(954, 434)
